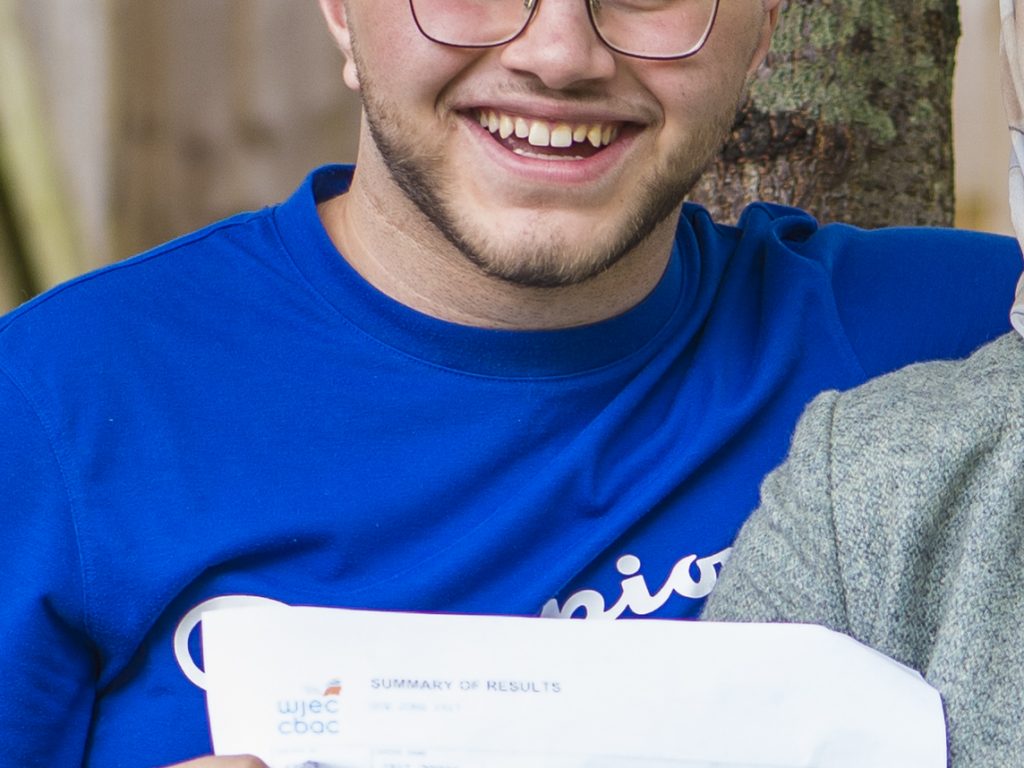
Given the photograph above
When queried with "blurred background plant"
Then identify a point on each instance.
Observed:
(124, 123)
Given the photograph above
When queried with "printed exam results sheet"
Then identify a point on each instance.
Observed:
(363, 689)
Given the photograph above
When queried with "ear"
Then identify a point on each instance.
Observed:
(771, 19)
(337, 24)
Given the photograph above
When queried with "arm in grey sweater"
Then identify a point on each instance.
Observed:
(898, 518)
(784, 566)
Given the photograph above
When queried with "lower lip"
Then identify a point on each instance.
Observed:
(561, 172)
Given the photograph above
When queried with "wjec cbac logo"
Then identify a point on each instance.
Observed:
(311, 716)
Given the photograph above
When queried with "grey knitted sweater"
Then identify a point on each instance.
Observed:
(898, 518)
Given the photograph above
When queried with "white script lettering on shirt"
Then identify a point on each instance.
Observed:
(636, 595)
(191, 620)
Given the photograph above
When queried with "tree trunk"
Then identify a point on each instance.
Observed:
(850, 116)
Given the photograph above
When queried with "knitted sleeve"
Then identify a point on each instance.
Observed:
(784, 566)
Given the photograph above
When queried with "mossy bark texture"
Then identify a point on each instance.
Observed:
(849, 117)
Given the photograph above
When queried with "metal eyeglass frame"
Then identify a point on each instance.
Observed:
(532, 5)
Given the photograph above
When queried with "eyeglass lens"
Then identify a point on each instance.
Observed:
(646, 28)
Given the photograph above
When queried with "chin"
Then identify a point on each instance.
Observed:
(548, 257)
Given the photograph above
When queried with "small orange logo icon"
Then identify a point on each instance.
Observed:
(333, 688)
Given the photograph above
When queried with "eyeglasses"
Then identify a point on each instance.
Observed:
(645, 29)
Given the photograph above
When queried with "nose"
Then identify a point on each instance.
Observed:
(560, 46)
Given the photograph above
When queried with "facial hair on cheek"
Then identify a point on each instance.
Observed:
(540, 257)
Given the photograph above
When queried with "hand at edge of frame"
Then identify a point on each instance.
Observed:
(229, 761)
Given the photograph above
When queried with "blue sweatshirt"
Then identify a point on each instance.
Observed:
(238, 413)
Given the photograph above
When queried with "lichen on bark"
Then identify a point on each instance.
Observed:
(849, 117)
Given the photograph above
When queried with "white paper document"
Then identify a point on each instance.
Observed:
(363, 689)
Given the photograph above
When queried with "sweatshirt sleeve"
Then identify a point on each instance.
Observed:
(784, 566)
(910, 294)
(47, 665)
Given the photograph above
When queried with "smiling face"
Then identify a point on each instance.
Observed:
(548, 159)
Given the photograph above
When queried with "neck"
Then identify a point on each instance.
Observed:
(392, 246)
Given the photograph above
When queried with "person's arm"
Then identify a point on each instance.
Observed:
(232, 761)
(906, 295)
(784, 566)
(48, 665)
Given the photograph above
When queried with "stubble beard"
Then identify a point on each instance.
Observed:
(539, 259)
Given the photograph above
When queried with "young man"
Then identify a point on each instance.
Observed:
(492, 370)
(898, 517)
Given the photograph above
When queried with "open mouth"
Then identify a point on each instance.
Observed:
(547, 140)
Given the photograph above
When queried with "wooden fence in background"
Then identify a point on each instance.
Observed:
(221, 106)
(124, 123)
(129, 122)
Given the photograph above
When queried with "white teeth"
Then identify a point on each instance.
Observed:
(540, 133)
(561, 136)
